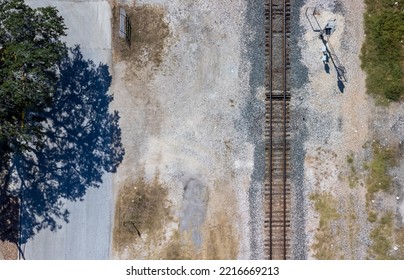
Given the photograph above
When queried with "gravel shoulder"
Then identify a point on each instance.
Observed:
(330, 123)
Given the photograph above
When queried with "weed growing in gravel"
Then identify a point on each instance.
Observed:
(378, 178)
(352, 225)
(372, 216)
(398, 250)
(353, 178)
(383, 52)
(325, 247)
(387, 242)
(381, 237)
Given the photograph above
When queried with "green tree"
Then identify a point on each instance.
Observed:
(30, 50)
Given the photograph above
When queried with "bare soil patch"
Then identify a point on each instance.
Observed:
(8, 251)
(147, 40)
(146, 228)
(141, 211)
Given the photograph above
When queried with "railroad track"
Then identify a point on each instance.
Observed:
(277, 186)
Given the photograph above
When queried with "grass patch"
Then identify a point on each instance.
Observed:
(353, 228)
(382, 238)
(398, 254)
(179, 248)
(325, 247)
(378, 178)
(387, 242)
(383, 52)
(372, 216)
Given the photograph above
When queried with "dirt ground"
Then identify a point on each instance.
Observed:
(8, 251)
(182, 189)
(336, 124)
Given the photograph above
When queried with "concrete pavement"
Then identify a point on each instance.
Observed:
(88, 234)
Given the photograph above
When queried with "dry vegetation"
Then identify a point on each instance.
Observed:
(353, 178)
(325, 246)
(221, 240)
(142, 210)
(387, 238)
(337, 216)
(147, 40)
(8, 251)
(141, 219)
(378, 178)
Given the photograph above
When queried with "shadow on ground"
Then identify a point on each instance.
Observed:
(83, 141)
(341, 86)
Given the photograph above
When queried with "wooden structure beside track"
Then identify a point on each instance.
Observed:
(277, 186)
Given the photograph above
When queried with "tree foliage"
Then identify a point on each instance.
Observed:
(30, 49)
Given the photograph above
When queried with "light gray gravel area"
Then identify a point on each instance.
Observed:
(389, 129)
(198, 115)
(330, 121)
(298, 116)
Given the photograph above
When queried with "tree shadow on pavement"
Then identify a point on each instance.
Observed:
(82, 142)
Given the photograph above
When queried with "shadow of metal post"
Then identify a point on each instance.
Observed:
(325, 38)
(341, 70)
